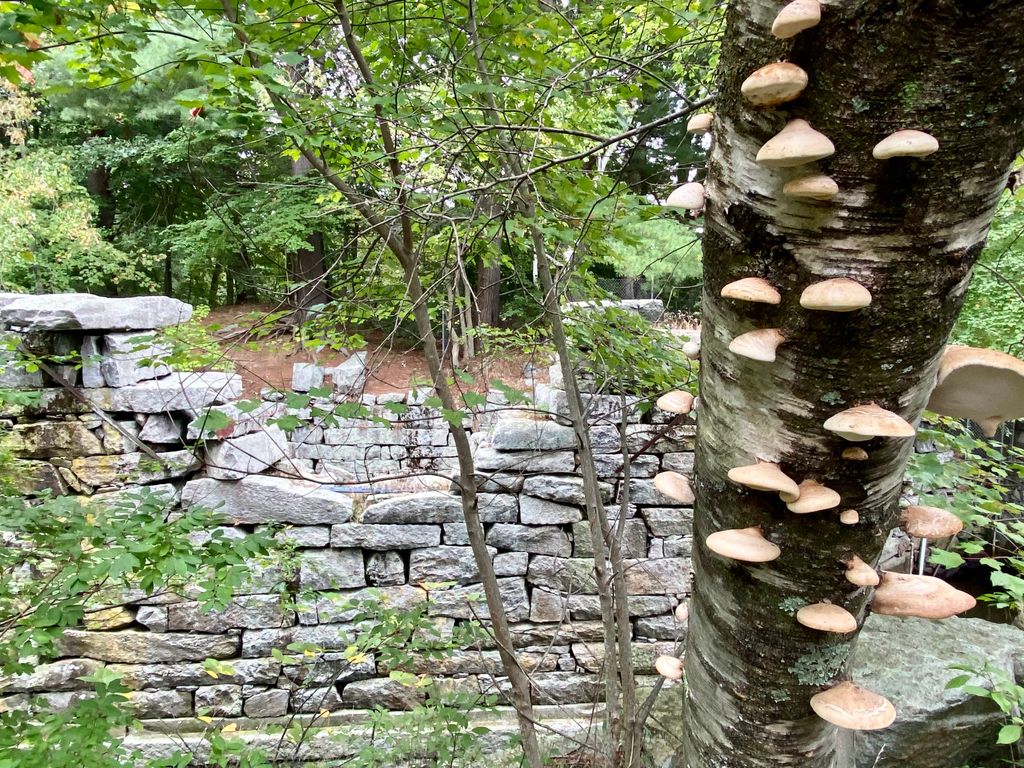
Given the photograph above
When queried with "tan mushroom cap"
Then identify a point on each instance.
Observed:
(682, 612)
(840, 294)
(813, 497)
(765, 477)
(855, 453)
(755, 289)
(758, 345)
(774, 84)
(692, 349)
(984, 385)
(860, 573)
(689, 196)
(905, 144)
(675, 486)
(669, 667)
(677, 401)
(849, 517)
(747, 545)
(796, 17)
(930, 522)
(850, 706)
(826, 617)
(816, 186)
(794, 145)
(904, 594)
(700, 123)
(863, 422)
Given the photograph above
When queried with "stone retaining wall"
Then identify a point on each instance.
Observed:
(364, 500)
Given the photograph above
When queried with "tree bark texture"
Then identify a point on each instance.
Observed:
(909, 230)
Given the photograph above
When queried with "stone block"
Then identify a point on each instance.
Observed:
(92, 376)
(250, 454)
(56, 676)
(467, 602)
(51, 439)
(563, 574)
(487, 458)
(591, 656)
(531, 435)
(679, 462)
(660, 628)
(162, 428)
(633, 541)
(349, 378)
(273, 703)
(306, 376)
(152, 617)
(314, 700)
(678, 439)
(669, 576)
(263, 499)
(239, 422)
(669, 521)
(610, 465)
(245, 612)
(328, 669)
(543, 540)
(108, 619)
(177, 391)
(435, 507)
(33, 477)
(257, 643)
(168, 676)
(83, 311)
(511, 563)
(386, 693)
(456, 534)
(643, 493)
(305, 536)
(120, 436)
(678, 546)
(534, 511)
(385, 569)
(134, 468)
(584, 607)
(132, 357)
(149, 704)
(219, 700)
(385, 537)
(564, 489)
(332, 569)
(131, 647)
(443, 564)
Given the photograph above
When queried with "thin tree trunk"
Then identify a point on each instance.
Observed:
(488, 292)
(907, 229)
(306, 267)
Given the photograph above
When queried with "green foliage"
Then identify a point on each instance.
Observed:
(1002, 689)
(192, 346)
(973, 478)
(663, 249)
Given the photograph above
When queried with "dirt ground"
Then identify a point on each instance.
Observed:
(268, 361)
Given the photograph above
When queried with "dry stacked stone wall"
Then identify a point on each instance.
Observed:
(365, 503)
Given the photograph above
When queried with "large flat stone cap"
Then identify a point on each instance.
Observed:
(83, 311)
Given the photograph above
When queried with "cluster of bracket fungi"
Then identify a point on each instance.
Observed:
(984, 385)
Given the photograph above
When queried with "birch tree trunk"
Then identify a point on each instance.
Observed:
(907, 229)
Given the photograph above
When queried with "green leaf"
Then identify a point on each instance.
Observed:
(945, 559)
(959, 681)
(1009, 734)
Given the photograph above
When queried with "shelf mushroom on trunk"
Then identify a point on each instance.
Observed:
(984, 385)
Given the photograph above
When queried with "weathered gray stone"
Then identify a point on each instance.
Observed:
(660, 628)
(457, 603)
(678, 462)
(120, 436)
(669, 576)
(177, 391)
(92, 376)
(257, 643)
(12, 369)
(32, 477)
(135, 468)
(250, 454)
(511, 563)
(542, 540)
(152, 617)
(546, 605)
(239, 422)
(436, 507)
(332, 569)
(531, 435)
(678, 546)
(610, 465)
(678, 439)
(305, 536)
(132, 357)
(562, 633)
(591, 657)
(456, 534)
(107, 619)
(669, 521)
(487, 458)
(131, 647)
(534, 511)
(272, 703)
(237, 671)
(385, 569)
(565, 489)
(58, 676)
(50, 439)
(633, 542)
(306, 376)
(908, 661)
(644, 493)
(158, 704)
(219, 700)
(560, 574)
(244, 612)
(83, 311)
(384, 537)
(389, 694)
(443, 564)
(349, 378)
(161, 428)
(261, 499)
(313, 700)
(328, 668)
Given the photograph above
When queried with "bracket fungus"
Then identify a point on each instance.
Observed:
(926, 597)
(796, 17)
(930, 522)
(689, 196)
(863, 422)
(840, 294)
(774, 84)
(816, 186)
(700, 123)
(826, 617)
(758, 345)
(905, 144)
(677, 401)
(682, 612)
(669, 667)
(766, 477)
(860, 573)
(850, 706)
(813, 497)
(755, 289)
(855, 453)
(692, 349)
(849, 517)
(675, 486)
(796, 144)
(747, 545)
(984, 385)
